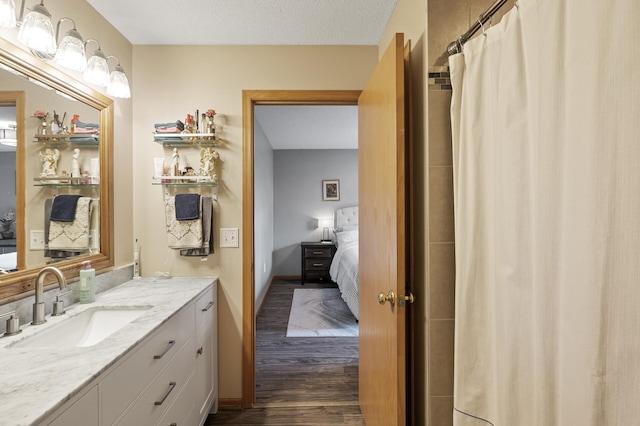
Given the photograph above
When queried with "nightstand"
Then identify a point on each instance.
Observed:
(316, 260)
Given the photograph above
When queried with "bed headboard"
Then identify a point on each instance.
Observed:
(345, 216)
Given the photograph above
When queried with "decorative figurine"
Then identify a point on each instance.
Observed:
(208, 158)
(49, 158)
(176, 163)
(75, 168)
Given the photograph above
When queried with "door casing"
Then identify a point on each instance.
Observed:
(251, 98)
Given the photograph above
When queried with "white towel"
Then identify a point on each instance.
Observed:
(72, 235)
(182, 234)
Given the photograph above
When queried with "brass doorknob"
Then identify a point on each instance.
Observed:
(389, 297)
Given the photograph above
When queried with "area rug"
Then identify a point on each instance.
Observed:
(320, 312)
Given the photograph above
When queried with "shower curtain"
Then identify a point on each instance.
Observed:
(546, 144)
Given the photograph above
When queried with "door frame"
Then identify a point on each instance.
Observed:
(251, 98)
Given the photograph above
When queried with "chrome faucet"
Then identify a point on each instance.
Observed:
(38, 307)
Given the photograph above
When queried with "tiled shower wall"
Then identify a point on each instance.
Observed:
(447, 20)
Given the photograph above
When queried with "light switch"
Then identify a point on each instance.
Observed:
(36, 240)
(228, 237)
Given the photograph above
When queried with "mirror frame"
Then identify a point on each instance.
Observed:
(20, 284)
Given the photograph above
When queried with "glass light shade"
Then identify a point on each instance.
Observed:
(118, 84)
(7, 13)
(71, 52)
(97, 71)
(325, 224)
(36, 31)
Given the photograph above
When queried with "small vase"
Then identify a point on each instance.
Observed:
(43, 129)
(209, 127)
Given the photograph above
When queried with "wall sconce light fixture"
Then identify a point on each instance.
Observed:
(36, 30)
(8, 14)
(97, 71)
(71, 53)
(118, 83)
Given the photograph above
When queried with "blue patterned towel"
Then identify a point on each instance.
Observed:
(64, 208)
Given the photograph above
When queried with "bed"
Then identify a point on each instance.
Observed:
(344, 267)
(8, 262)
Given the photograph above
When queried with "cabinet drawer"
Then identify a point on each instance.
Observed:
(206, 309)
(162, 393)
(124, 384)
(317, 264)
(184, 410)
(317, 252)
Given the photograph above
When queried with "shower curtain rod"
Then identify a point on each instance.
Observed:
(456, 46)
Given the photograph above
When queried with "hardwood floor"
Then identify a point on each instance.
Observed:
(300, 381)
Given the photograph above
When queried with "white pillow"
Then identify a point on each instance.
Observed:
(346, 227)
(346, 237)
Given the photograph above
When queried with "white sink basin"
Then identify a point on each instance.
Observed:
(85, 329)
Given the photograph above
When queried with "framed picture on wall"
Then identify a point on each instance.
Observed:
(331, 190)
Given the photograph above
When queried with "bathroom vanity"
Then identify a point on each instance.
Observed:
(154, 362)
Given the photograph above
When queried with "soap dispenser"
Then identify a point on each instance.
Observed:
(87, 293)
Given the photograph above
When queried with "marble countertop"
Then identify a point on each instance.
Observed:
(34, 382)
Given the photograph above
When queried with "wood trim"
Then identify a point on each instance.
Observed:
(287, 277)
(20, 284)
(410, 225)
(18, 99)
(230, 402)
(250, 98)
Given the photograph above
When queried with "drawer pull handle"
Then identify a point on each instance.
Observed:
(171, 386)
(169, 346)
(318, 252)
(200, 351)
(173, 424)
(317, 264)
(206, 308)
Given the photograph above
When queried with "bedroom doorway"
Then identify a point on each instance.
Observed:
(251, 99)
(384, 175)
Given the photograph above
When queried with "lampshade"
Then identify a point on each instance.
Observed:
(71, 51)
(97, 71)
(118, 83)
(325, 224)
(7, 13)
(36, 31)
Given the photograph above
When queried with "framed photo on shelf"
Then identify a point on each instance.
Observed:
(331, 190)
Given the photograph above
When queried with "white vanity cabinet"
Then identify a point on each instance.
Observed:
(169, 378)
(206, 383)
(84, 411)
(200, 395)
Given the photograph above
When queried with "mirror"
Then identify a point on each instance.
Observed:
(28, 84)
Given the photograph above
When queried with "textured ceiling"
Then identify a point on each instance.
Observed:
(248, 22)
(263, 22)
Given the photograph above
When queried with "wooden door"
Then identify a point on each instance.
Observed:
(383, 250)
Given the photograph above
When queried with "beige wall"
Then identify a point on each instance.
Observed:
(172, 81)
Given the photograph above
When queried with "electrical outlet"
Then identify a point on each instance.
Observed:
(228, 237)
(36, 241)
